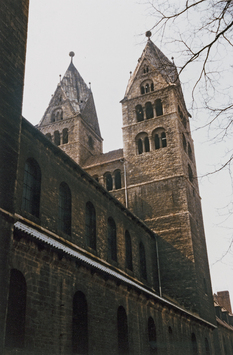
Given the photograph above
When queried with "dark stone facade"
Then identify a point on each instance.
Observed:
(90, 271)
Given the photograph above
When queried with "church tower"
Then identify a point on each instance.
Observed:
(161, 177)
(70, 120)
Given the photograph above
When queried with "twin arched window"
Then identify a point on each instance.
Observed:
(64, 208)
(143, 144)
(109, 180)
(31, 187)
(57, 138)
(57, 115)
(160, 139)
(90, 225)
(112, 245)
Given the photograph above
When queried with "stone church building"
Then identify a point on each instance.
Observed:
(102, 253)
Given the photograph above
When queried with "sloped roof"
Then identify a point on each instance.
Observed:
(104, 158)
(74, 92)
(159, 62)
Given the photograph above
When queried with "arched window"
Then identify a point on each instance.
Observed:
(152, 336)
(48, 135)
(190, 173)
(184, 141)
(57, 138)
(117, 179)
(65, 136)
(128, 251)
(142, 259)
(16, 310)
(194, 343)
(122, 327)
(80, 324)
(142, 143)
(147, 88)
(149, 110)
(160, 139)
(158, 107)
(142, 90)
(90, 223)
(207, 347)
(108, 181)
(64, 209)
(112, 246)
(152, 87)
(140, 146)
(147, 144)
(139, 113)
(190, 151)
(31, 187)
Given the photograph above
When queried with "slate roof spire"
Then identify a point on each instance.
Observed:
(74, 97)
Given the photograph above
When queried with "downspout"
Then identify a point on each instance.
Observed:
(158, 266)
(125, 182)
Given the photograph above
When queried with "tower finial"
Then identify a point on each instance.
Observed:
(148, 34)
(72, 54)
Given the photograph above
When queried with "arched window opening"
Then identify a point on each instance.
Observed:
(64, 209)
(190, 173)
(80, 324)
(31, 187)
(122, 327)
(147, 144)
(194, 343)
(184, 142)
(152, 335)
(139, 113)
(152, 87)
(190, 151)
(117, 179)
(140, 146)
(65, 136)
(157, 143)
(108, 180)
(16, 311)
(149, 110)
(142, 90)
(158, 108)
(48, 135)
(207, 347)
(163, 139)
(147, 88)
(146, 69)
(90, 223)
(57, 138)
(142, 259)
(128, 251)
(112, 246)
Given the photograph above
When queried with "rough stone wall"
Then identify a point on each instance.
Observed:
(164, 195)
(52, 281)
(13, 34)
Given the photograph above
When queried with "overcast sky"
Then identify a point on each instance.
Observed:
(108, 37)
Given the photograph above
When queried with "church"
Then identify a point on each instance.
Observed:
(102, 253)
